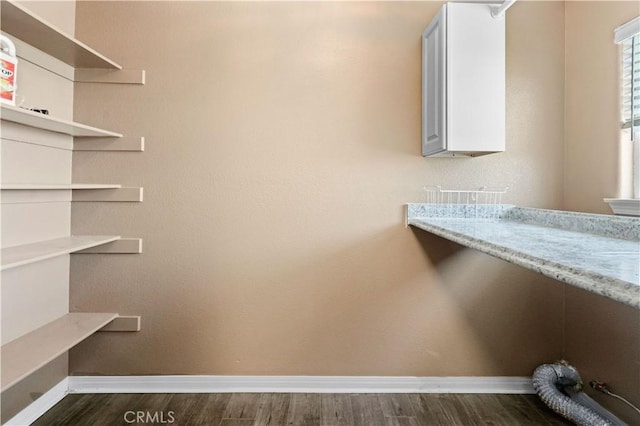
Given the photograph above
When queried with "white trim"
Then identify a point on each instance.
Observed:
(41, 405)
(298, 384)
(628, 207)
(627, 30)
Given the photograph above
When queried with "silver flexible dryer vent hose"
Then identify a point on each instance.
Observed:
(560, 387)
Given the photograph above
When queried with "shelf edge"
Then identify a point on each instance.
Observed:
(60, 252)
(76, 321)
(36, 120)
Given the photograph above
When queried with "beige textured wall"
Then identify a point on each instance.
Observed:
(592, 104)
(282, 141)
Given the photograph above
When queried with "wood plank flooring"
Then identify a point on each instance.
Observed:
(267, 409)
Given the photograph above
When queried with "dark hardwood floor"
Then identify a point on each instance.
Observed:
(299, 410)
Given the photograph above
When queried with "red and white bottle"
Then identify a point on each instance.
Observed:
(8, 71)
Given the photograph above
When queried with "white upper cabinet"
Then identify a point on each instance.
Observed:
(433, 88)
(463, 82)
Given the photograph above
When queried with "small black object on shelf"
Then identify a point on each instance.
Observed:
(38, 110)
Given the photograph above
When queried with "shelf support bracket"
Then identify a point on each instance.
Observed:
(131, 195)
(101, 144)
(121, 246)
(98, 75)
(123, 323)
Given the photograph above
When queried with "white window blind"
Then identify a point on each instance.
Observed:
(628, 35)
(631, 83)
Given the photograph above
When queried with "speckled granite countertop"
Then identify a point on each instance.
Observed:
(599, 253)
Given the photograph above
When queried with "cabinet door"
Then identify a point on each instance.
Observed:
(434, 85)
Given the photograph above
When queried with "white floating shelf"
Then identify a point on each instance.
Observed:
(30, 253)
(28, 186)
(21, 23)
(26, 354)
(46, 122)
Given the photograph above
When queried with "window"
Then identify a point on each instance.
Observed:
(628, 37)
(631, 101)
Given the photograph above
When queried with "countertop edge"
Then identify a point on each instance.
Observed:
(612, 288)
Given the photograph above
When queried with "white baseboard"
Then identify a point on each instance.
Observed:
(41, 405)
(298, 384)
